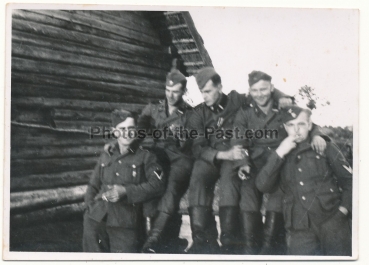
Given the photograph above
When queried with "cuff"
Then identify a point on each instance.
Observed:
(209, 155)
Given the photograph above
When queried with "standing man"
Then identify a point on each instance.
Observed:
(214, 156)
(317, 190)
(259, 121)
(122, 183)
(167, 116)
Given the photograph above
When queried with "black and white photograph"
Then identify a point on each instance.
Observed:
(181, 133)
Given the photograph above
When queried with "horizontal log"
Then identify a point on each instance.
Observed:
(43, 21)
(40, 116)
(95, 128)
(21, 167)
(97, 89)
(55, 152)
(49, 54)
(24, 137)
(123, 30)
(64, 70)
(66, 114)
(47, 181)
(54, 214)
(122, 19)
(33, 102)
(64, 93)
(80, 37)
(31, 200)
(63, 45)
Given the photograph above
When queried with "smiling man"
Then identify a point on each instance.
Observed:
(317, 189)
(214, 159)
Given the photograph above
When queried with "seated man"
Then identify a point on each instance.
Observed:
(123, 181)
(317, 190)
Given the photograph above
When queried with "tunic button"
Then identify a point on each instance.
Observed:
(331, 190)
(117, 174)
(224, 137)
(133, 166)
(103, 165)
(317, 157)
(120, 162)
(301, 183)
(269, 148)
(300, 169)
(303, 197)
(298, 157)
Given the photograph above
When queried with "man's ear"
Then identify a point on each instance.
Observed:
(271, 87)
(220, 87)
(310, 124)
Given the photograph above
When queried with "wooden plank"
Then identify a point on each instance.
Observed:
(98, 89)
(63, 70)
(28, 39)
(30, 200)
(80, 37)
(78, 27)
(55, 152)
(48, 91)
(22, 167)
(75, 104)
(66, 114)
(50, 55)
(59, 213)
(46, 181)
(89, 127)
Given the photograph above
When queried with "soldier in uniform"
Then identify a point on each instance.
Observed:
(261, 116)
(317, 190)
(175, 156)
(214, 157)
(123, 182)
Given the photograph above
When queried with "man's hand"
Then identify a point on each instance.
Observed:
(109, 147)
(243, 172)
(235, 153)
(116, 193)
(285, 103)
(286, 146)
(318, 144)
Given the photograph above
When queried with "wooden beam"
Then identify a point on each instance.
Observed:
(30, 200)
(188, 51)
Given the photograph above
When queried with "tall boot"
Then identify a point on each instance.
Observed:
(170, 241)
(152, 244)
(229, 225)
(273, 234)
(252, 229)
(204, 231)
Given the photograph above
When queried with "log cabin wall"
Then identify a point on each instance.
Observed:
(70, 69)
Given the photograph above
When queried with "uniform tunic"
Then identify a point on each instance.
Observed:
(141, 174)
(173, 153)
(207, 168)
(314, 187)
(271, 134)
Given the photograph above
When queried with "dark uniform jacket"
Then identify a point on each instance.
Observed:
(219, 117)
(271, 132)
(156, 116)
(142, 177)
(314, 185)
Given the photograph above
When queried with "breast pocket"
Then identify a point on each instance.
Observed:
(134, 173)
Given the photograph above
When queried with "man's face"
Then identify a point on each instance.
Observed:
(211, 93)
(125, 137)
(261, 92)
(299, 128)
(174, 94)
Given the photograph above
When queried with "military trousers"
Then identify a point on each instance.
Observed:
(331, 238)
(179, 169)
(97, 237)
(202, 183)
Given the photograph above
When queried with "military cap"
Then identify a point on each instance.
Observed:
(120, 115)
(204, 75)
(174, 77)
(291, 113)
(256, 76)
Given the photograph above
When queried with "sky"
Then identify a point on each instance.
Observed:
(297, 47)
